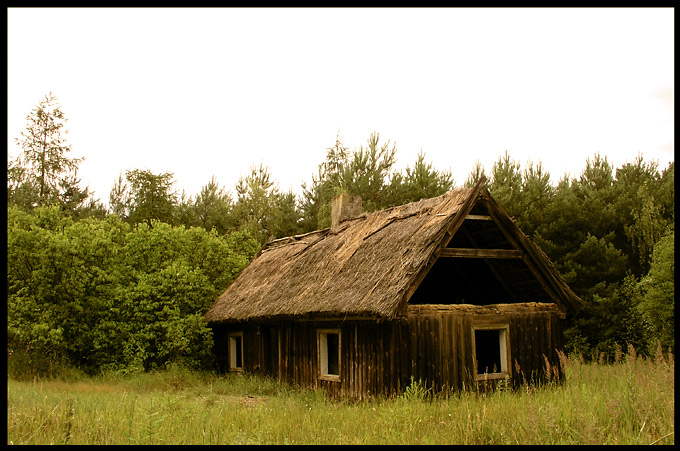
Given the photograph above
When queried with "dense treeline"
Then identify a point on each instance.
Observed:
(124, 286)
(610, 234)
(105, 295)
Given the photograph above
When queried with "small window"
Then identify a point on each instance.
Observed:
(491, 351)
(328, 342)
(236, 351)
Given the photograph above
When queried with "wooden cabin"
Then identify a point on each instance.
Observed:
(447, 291)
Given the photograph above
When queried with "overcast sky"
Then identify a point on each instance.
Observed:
(212, 92)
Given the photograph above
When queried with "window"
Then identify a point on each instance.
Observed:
(328, 342)
(236, 351)
(491, 351)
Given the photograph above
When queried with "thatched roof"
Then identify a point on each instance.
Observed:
(366, 267)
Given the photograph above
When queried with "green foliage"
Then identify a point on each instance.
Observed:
(143, 197)
(211, 209)
(54, 274)
(368, 172)
(166, 307)
(77, 278)
(21, 191)
(506, 184)
(44, 148)
(537, 195)
(599, 230)
(417, 391)
(657, 291)
(261, 209)
(327, 183)
(595, 262)
(525, 195)
(285, 215)
(43, 174)
(597, 175)
(422, 181)
(102, 294)
(475, 175)
(608, 322)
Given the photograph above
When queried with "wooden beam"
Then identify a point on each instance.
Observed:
(462, 252)
(479, 217)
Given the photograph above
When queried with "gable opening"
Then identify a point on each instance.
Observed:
(479, 266)
(479, 281)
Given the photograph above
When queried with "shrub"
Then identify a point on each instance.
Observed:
(102, 295)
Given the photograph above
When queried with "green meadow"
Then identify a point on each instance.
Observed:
(627, 401)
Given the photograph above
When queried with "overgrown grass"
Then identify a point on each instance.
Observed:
(630, 401)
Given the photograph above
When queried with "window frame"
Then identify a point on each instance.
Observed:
(322, 354)
(504, 351)
(232, 354)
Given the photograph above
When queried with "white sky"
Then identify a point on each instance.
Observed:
(203, 92)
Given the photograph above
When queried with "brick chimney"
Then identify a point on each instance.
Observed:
(344, 206)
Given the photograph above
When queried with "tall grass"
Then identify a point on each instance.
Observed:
(630, 401)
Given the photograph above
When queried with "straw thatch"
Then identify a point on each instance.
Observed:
(362, 268)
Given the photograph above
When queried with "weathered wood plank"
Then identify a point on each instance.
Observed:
(359, 384)
(380, 361)
(531, 348)
(432, 343)
(463, 252)
(453, 330)
(462, 349)
(479, 217)
(436, 361)
(413, 340)
(425, 347)
(406, 354)
(445, 346)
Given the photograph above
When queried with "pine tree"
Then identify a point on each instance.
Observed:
(43, 174)
(144, 196)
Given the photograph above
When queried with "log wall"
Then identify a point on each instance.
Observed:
(432, 343)
(442, 348)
